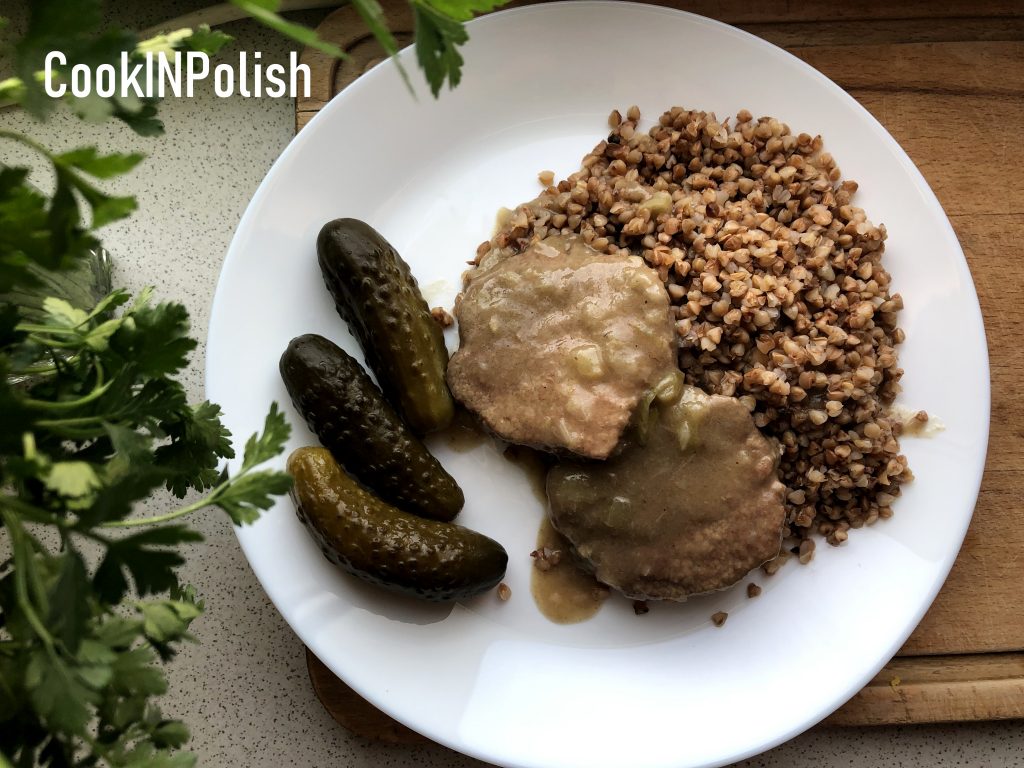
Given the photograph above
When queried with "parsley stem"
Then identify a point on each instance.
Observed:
(52, 342)
(206, 501)
(30, 512)
(64, 405)
(29, 370)
(49, 329)
(21, 565)
(74, 422)
(23, 139)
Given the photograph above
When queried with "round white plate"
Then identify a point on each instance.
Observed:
(496, 680)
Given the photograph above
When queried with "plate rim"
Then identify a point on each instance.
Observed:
(929, 199)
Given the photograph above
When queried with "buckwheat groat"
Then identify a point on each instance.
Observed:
(778, 288)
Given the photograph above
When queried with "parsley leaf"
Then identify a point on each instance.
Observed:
(88, 160)
(116, 499)
(62, 314)
(198, 441)
(59, 694)
(52, 25)
(265, 12)
(372, 15)
(263, 447)
(69, 600)
(206, 40)
(437, 40)
(156, 341)
(251, 493)
(72, 478)
(133, 673)
(106, 209)
(463, 10)
(118, 632)
(144, 122)
(146, 756)
(24, 230)
(152, 569)
(130, 447)
(171, 733)
(440, 32)
(167, 620)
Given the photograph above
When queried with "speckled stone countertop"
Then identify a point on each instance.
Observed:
(243, 688)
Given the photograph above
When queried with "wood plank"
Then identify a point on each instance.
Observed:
(769, 11)
(968, 158)
(743, 12)
(950, 68)
(955, 127)
(858, 32)
(346, 29)
(941, 689)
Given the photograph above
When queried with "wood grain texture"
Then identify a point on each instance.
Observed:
(947, 81)
(346, 29)
(940, 689)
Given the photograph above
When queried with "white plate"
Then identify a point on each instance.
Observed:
(496, 680)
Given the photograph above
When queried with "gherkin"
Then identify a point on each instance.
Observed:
(347, 412)
(376, 294)
(384, 546)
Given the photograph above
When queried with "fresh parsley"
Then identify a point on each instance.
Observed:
(440, 33)
(94, 420)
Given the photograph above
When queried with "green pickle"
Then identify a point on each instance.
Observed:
(385, 546)
(347, 412)
(376, 294)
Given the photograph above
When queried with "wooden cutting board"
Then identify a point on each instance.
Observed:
(947, 81)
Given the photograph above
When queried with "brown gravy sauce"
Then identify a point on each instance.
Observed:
(464, 434)
(690, 505)
(534, 465)
(565, 593)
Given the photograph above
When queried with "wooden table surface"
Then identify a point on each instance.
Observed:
(947, 81)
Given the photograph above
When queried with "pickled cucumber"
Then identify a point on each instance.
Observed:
(350, 416)
(378, 543)
(376, 294)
